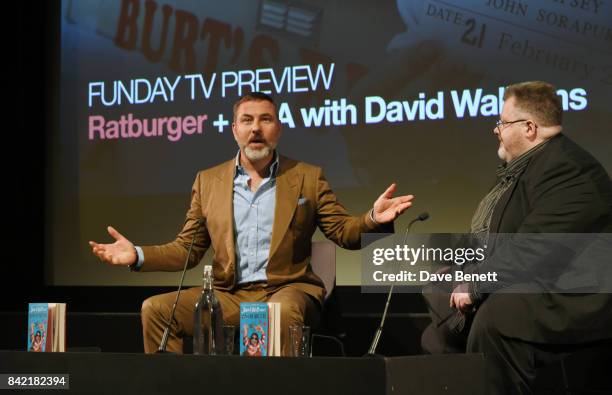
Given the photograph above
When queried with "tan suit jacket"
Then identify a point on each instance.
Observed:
(304, 201)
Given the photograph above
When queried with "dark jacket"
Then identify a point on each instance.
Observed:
(563, 189)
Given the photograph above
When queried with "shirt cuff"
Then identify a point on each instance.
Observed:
(376, 224)
(138, 264)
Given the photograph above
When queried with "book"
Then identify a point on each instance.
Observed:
(46, 327)
(274, 345)
(260, 329)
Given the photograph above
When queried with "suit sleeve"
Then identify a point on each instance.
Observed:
(171, 256)
(336, 223)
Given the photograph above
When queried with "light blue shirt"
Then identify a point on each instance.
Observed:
(253, 222)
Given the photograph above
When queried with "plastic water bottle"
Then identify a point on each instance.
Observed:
(208, 319)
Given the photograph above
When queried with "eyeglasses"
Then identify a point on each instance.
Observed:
(500, 123)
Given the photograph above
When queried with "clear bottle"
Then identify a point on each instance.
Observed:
(208, 319)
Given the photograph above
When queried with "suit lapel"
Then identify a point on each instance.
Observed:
(223, 207)
(500, 209)
(288, 187)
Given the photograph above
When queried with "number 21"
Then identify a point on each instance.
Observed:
(472, 39)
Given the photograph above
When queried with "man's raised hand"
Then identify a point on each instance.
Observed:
(120, 253)
(387, 208)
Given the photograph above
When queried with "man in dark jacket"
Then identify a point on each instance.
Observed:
(548, 184)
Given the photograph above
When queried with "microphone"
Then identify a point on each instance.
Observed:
(164, 341)
(422, 217)
(372, 351)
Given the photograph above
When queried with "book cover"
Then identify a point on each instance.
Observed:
(46, 327)
(38, 322)
(254, 324)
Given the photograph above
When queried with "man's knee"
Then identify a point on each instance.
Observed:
(297, 307)
(430, 341)
(153, 307)
(292, 313)
(483, 333)
(444, 340)
(148, 309)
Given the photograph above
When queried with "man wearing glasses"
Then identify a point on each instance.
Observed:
(547, 184)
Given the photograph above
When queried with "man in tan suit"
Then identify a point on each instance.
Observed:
(260, 211)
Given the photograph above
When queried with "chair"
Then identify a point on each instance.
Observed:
(323, 263)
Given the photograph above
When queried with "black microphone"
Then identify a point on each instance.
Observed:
(421, 217)
(372, 351)
(164, 341)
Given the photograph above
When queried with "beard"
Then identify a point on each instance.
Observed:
(258, 154)
(501, 153)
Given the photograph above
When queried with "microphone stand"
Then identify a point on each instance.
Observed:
(164, 342)
(372, 351)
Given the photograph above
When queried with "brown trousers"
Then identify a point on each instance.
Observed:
(297, 308)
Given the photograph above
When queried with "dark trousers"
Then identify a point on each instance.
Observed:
(511, 363)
